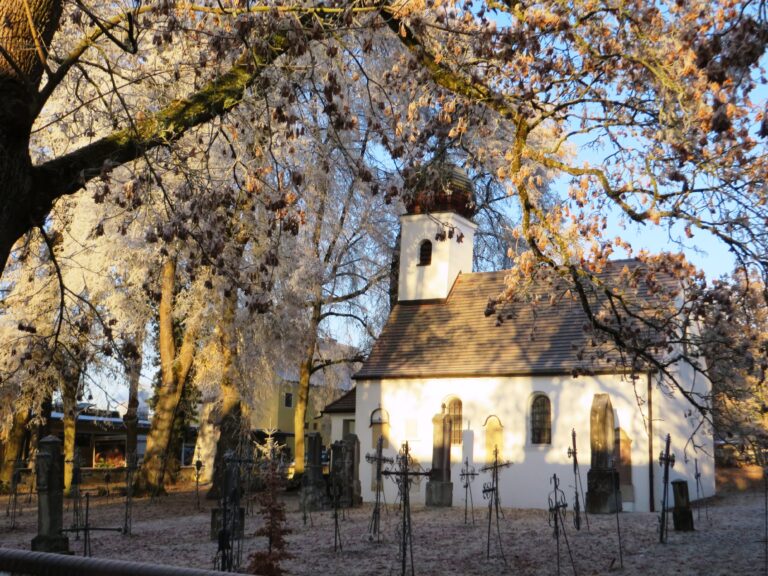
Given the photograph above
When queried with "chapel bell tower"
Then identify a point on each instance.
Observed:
(437, 236)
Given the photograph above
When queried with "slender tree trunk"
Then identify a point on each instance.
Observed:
(14, 444)
(69, 400)
(394, 272)
(174, 371)
(230, 406)
(132, 354)
(305, 374)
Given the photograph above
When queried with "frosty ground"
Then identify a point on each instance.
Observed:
(728, 540)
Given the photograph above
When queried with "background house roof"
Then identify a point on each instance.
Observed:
(343, 405)
(454, 337)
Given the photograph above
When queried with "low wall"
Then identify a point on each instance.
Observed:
(25, 563)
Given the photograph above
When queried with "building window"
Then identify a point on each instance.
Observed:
(288, 400)
(425, 253)
(541, 420)
(494, 438)
(454, 411)
(380, 427)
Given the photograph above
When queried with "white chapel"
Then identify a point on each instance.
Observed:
(518, 387)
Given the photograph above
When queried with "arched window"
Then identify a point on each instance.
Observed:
(380, 427)
(425, 253)
(541, 420)
(454, 411)
(494, 437)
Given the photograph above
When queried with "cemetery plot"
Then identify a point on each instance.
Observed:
(171, 530)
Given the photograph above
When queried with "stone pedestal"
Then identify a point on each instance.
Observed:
(440, 487)
(49, 468)
(352, 469)
(439, 493)
(314, 493)
(345, 472)
(682, 515)
(602, 484)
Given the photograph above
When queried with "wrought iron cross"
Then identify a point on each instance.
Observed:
(131, 465)
(404, 475)
(667, 460)
(14, 507)
(75, 492)
(578, 487)
(557, 507)
(198, 470)
(468, 476)
(379, 459)
(491, 493)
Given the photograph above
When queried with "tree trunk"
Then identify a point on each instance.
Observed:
(305, 374)
(69, 400)
(230, 411)
(151, 476)
(394, 272)
(14, 446)
(132, 355)
(21, 70)
(230, 427)
(207, 438)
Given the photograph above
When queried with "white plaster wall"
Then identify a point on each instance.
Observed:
(677, 417)
(449, 257)
(412, 404)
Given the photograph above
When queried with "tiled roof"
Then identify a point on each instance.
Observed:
(344, 404)
(454, 337)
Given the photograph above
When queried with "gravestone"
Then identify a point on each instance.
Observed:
(352, 469)
(439, 486)
(314, 494)
(345, 458)
(682, 515)
(623, 450)
(49, 468)
(602, 479)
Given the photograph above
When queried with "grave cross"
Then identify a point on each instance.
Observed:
(578, 487)
(617, 503)
(131, 466)
(336, 501)
(491, 493)
(404, 475)
(86, 528)
(230, 535)
(13, 499)
(667, 460)
(379, 459)
(557, 507)
(468, 476)
(699, 492)
(198, 471)
(76, 493)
